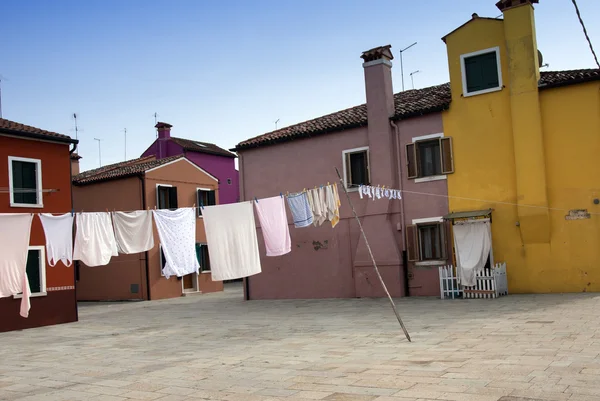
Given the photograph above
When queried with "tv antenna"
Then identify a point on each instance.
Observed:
(276, 121)
(99, 151)
(77, 129)
(412, 80)
(125, 131)
(1, 79)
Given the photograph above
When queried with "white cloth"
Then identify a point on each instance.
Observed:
(274, 225)
(59, 238)
(330, 202)
(231, 237)
(15, 229)
(133, 231)
(473, 242)
(316, 206)
(322, 205)
(177, 234)
(95, 240)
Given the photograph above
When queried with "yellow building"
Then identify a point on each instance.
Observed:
(528, 146)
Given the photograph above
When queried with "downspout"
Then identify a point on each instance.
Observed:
(242, 189)
(143, 180)
(402, 222)
(75, 263)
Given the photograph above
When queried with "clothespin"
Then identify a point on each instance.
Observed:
(304, 190)
(202, 205)
(281, 194)
(72, 212)
(256, 199)
(148, 208)
(327, 183)
(194, 206)
(107, 210)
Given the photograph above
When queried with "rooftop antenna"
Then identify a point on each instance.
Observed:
(156, 122)
(1, 78)
(401, 65)
(276, 121)
(99, 151)
(125, 131)
(76, 127)
(412, 81)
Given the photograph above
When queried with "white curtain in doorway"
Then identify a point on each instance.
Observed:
(472, 242)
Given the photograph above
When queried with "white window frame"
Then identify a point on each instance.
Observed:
(40, 200)
(422, 138)
(345, 168)
(161, 185)
(464, 71)
(43, 292)
(425, 221)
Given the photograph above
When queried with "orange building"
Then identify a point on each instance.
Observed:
(35, 177)
(140, 184)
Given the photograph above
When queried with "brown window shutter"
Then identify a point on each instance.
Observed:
(368, 168)
(412, 243)
(444, 239)
(447, 156)
(411, 160)
(348, 177)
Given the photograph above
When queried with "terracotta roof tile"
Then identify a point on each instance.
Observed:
(18, 129)
(408, 104)
(202, 147)
(121, 170)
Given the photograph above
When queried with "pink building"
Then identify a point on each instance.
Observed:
(215, 160)
(369, 144)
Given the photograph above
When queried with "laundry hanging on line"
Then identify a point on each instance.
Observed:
(95, 241)
(378, 192)
(324, 202)
(58, 231)
(133, 231)
(274, 225)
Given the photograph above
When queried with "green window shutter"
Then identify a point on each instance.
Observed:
(481, 72)
(199, 254)
(33, 270)
(24, 178)
(211, 198)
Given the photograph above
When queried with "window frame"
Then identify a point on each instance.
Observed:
(346, 168)
(39, 192)
(42, 271)
(430, 221)
(158, 197)
(463, 70)
(200, 204)
(413, 148)
(205, 245)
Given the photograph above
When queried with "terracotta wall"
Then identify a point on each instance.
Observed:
(187, 178)
(115, 280)
(59, 306)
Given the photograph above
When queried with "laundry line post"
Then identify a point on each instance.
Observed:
(372, 257)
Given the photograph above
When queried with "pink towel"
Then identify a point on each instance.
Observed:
(274, 225)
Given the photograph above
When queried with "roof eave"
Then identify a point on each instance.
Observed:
(90, 182)
(397, 117)
(569, 83)
(38, 136)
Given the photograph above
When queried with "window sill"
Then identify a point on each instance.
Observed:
(352, 189)
(205, 272)
(28, 205)
(430, 263)
(33, 295)
(482, 92)
(431, 178)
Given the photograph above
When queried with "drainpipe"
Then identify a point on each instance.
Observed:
(402, 222)
(242, 189)
(75, 263)
(141, 177)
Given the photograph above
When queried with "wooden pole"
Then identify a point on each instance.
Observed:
(372, 257)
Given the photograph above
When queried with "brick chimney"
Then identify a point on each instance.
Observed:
(164, 134)
(378, 82)
(75, 164)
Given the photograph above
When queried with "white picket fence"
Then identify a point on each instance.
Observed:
(491, 283)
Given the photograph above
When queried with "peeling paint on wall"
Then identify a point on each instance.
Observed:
(578, 214)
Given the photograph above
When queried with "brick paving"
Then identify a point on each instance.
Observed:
(218, 347)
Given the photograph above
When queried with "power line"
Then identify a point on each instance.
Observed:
(587, 37)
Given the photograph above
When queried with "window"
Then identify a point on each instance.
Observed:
(430, 157)
(163, 261)
(36, 271)
(203, 259)
(356, 167)
(426, 241)
(229, 181)
(481, 72)
(206, 197)
(166, 197)
(25, 180)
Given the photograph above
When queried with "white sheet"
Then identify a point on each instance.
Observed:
(95, 240)
(472, 242)
(133, 231)
(232, 243)
(177, 234)
(59, 238)
(15, 230)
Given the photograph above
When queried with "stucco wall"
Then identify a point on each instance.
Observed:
(187, 178)
(222, 168)
(57, 306)
(113, 281)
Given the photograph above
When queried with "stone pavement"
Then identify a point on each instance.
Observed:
(218, 347)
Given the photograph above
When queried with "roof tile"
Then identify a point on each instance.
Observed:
(202, 147)
(124, 169)
(14, 128)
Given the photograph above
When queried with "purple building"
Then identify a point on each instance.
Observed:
(215, 160)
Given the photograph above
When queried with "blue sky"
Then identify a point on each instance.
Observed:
(224, 71)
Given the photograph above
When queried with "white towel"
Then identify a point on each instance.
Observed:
(472, 242)
(95, 240)
(15, 229)
(133, 231)
(59, 238)
(177, 234)
(232, 243)
(274, 225)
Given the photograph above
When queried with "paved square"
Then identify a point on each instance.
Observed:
(218, 347)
